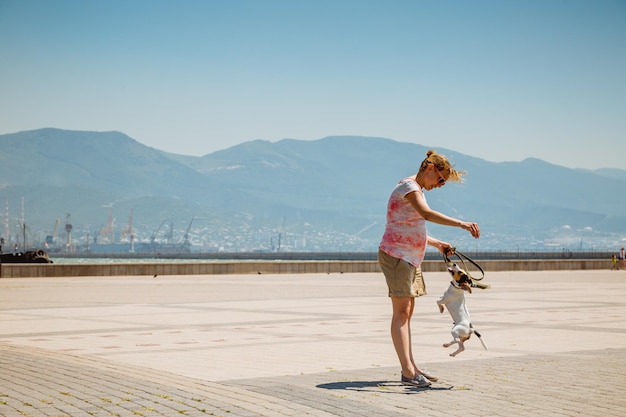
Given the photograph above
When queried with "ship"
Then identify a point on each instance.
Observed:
(37, 256)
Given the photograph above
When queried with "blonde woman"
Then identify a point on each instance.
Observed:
(402, 250)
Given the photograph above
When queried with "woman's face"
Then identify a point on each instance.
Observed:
(434, 177)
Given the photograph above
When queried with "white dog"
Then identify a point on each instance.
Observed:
(454, 300)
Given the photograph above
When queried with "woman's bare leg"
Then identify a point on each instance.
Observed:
(401, 333)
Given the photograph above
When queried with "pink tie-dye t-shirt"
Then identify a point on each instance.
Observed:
(405, 234)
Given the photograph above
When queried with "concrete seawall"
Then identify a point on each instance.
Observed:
(273, 267)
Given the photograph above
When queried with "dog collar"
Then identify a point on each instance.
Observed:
(454, 284)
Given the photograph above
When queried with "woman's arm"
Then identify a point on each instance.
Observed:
(417, 201)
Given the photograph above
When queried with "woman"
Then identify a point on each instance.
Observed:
(402, 250)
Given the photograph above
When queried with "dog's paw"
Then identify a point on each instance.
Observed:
(459, 350)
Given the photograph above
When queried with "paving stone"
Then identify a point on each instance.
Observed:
(307, 345)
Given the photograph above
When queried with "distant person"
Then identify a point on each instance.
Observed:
(402, 250)
(613, 262)
(621, 259)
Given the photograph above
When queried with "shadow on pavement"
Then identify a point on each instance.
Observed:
(381, 386)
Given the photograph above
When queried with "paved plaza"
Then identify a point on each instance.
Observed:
(307, 345)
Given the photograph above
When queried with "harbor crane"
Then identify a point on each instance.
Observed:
(108, 229)
(186, 236)
(156, 232)
(50, 239)
(128, 231)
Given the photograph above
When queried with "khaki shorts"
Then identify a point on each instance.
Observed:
(403, 279)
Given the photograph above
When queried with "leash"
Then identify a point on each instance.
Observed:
(462, 257)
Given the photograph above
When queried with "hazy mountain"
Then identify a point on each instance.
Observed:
(618, 174)
(331, 190)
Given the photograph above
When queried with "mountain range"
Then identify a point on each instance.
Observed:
(326, 194)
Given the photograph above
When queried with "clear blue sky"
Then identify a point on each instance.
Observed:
(501, 80)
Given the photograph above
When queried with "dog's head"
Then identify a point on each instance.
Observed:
(459, 275)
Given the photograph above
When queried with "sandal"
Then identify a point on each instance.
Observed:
(419, 381)
(429, 376)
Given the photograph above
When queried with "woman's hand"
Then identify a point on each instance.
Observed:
(447, 249)
(444, 247)
(472, 228)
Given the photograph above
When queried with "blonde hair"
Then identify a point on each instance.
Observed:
(442, 164)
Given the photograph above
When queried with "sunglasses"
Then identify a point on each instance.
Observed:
(441, 180)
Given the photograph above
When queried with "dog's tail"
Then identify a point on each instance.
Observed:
(480, 337)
